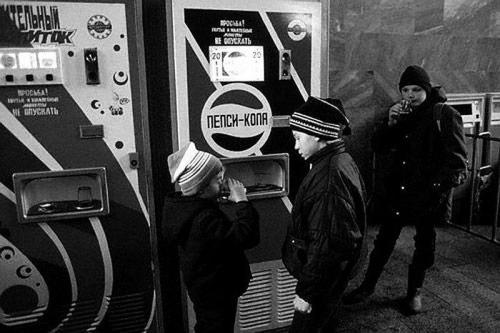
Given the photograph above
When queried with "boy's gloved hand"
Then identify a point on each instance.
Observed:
(237, 192)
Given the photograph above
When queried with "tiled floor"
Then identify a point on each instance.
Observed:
(461, 292)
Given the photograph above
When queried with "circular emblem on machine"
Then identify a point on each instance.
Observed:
(236, 120)
(99, 26)
(297, 30)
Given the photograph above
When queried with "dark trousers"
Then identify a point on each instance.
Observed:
(216, 316)
(423, 256)
(445, 208)
(323, 317)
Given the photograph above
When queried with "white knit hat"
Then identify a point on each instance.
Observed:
(192, 169)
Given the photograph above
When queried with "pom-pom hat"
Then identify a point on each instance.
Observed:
(323, 118)
(192, 169)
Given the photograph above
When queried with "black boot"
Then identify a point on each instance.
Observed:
(384, 245)
(358, 295)
(413, 301)
(367, 287)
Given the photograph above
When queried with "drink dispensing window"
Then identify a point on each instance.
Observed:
(263, 176)
(56, 195)
(470, 107)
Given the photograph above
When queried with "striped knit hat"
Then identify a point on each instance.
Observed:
(192, 169)
(323, 118)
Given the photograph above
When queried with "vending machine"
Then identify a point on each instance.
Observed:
(239, 69)
(77, 224)
(472, 109)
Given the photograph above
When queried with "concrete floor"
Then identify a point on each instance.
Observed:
(461, 292)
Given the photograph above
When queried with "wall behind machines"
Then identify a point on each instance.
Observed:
(74, 268)
(372, 42)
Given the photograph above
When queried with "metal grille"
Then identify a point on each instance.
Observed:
(128, 313)
(21, 318)
(256, 304)
(286, 293)
(80, 317)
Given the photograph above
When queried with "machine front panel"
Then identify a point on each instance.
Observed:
(241, 69)
(70, 104)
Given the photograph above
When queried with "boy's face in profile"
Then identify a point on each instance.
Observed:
(306, 145)
(214, 186)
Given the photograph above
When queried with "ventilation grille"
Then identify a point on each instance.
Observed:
(128, 313)
(80, 316)
(21, 317)
(286, 293)
(256, 304)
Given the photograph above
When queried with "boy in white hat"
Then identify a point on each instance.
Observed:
(213, 264)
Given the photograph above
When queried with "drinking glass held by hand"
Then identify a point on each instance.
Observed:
(237, 192)
(399, 109)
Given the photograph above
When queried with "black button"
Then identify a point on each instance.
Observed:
(49, 77)
(29, 77)
(9, 78)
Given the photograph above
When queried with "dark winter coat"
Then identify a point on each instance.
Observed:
(428, 158)
(328, 222)
(213, 264)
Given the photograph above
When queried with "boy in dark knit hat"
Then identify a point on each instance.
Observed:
(213, 265)
(325, 238)
(425, 138)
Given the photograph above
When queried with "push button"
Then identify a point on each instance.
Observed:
(9, 78)
(30, 77)
(49, 77)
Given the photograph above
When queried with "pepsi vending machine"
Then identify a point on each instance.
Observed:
(240, 68)
(76, 223)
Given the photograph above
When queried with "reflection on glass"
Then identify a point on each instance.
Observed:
(47, 59)
(496, 107)
(46, 208)
(27, 60)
